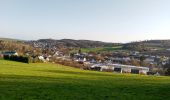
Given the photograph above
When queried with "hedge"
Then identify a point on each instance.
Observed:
(17, 58)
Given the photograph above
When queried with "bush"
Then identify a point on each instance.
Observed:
(17, 58)
(6, 57)
(72, 64)
(167, 72)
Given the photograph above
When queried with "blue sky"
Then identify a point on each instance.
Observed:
(105, 20)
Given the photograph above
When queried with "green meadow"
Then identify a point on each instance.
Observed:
(46, 81)
(100, 49)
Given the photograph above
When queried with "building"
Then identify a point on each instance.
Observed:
(10, 53)
(122, 68)
(130, 69)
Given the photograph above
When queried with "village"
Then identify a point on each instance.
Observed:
(118, 62)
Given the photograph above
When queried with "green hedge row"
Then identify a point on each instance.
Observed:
(24, 59)
(18, 58)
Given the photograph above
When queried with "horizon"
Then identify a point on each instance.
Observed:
(80, 39)
(113, 21)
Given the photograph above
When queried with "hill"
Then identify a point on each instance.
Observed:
(150, 47)
(51, 43)
(149, 44)
(10, 39)
(102, 49)
(14, 45)
(43, 81)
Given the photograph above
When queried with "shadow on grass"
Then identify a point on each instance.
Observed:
(77, 73)
(19, 87)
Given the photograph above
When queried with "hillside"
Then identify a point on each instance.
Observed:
(149, 44)
(158, 43)
(51, 43)
(14, 45)
(150, 47)
(43, 81)
(10, 39)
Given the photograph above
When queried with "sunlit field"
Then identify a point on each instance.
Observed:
(45, 81)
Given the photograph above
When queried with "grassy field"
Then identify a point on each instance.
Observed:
(20, 81)
(100, 49)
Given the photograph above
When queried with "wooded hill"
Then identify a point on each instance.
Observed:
(51, 43)
(148, 45)
(14, 45)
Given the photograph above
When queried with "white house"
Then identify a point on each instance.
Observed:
(168, 49)
(10, 53)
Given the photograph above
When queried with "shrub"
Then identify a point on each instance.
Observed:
(71, 63)
(167, 72)
(17, 58)
(6, 57)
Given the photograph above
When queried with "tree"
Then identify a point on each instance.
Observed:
(167, 69)
(79, 51)
(142, 58)
(135, 62)
(99, 58)
(167, 72)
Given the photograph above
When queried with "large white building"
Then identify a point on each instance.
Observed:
(122, 68)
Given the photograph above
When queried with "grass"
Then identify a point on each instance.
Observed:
(44, 81)
(101, 49)
(158, 48)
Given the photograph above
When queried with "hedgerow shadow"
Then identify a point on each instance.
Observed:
(20, 87)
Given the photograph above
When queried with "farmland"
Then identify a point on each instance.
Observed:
(100, 49)
(46, 81)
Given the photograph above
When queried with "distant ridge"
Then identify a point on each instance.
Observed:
(148, 45)
(52, 43)
(10, 39)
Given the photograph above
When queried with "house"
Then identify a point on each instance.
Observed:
(150, 60)
(168, 49)
(58, 53)
(10, 53)
(41, 58)
(134, 53)
(153, 49)
(97, 67)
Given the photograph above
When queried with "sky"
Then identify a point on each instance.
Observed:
(103, 20)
